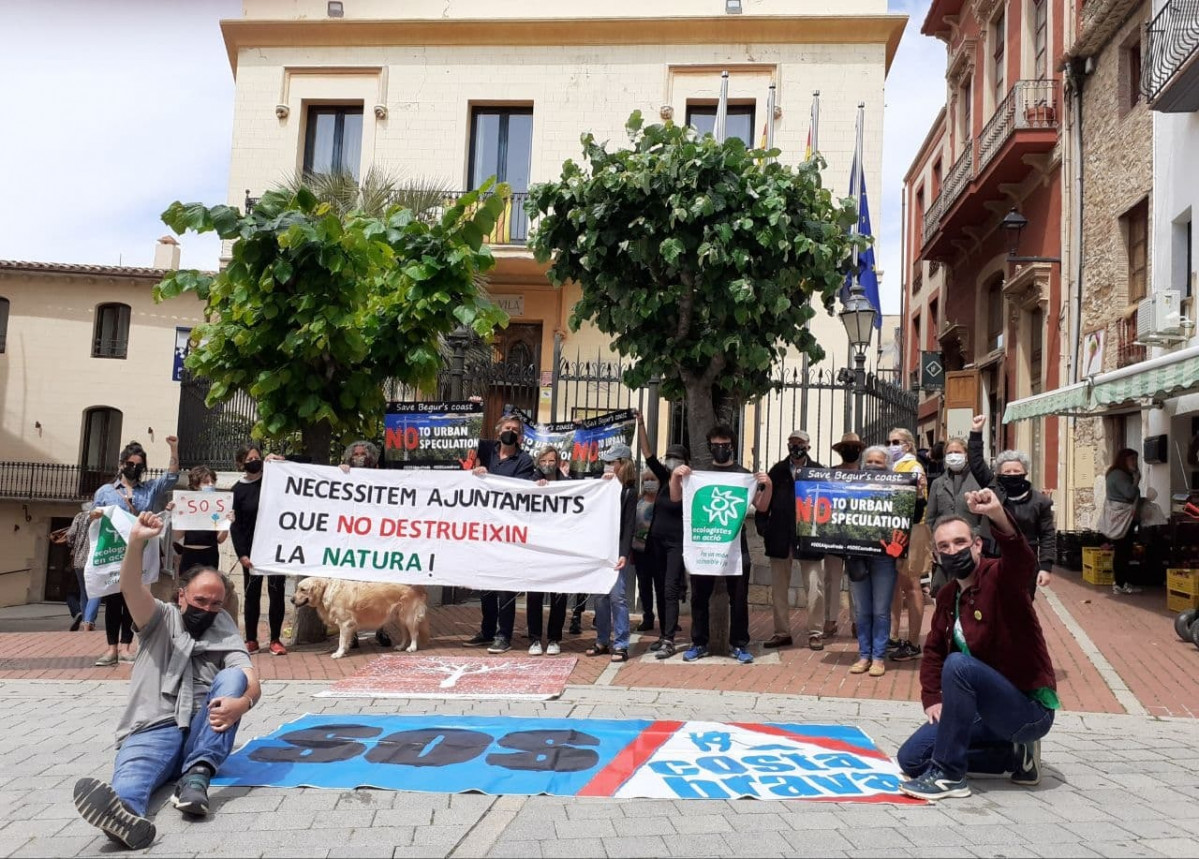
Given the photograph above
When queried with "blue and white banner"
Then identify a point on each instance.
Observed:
(432, 435)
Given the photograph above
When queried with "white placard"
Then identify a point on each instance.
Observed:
(715, 505)
(108, 537)
(201, 511)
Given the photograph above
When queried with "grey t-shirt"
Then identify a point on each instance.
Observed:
(149, 705)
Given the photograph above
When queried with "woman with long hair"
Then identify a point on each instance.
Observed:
(1120, 512)
(549, 467)
(901, 448)
(872, 593)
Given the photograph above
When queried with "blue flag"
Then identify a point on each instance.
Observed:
(866, 275)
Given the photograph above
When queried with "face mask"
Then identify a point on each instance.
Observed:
(955, 461)
(197, 620)
(1014, 485)
(253, 466)
(672, 462)
(650, 486)
(896, 451)
(851, 456)
(508, 438)
(721, 453)
(358, 461)
(208, 487)
(547, 469)
(133, 472)
(958, 564)
(609, 468)
(798, 451)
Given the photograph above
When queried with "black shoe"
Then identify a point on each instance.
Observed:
(647, 624)
(75, 621)
(576, 626)
(666, 650)
(354, 645)
(478, 641)
(906, 652)
(500, 645)
(191, 792)
(100, 806)
(1028, 764)
(382, 638)
(893, 644)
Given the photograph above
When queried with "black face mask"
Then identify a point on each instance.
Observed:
(253, 466)
(133, 472)
(851, 456)
(958, 564)
(721, 453)
(197, 620)
(508, 438)
(798, 451)
(1014, 485)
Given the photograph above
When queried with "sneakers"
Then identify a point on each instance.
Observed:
(553, 648)
(694, 652)
(1028, 763)
(742, 655)
(893, 644)
(665, 649)
(106, 660)
(1125, 588)
(277, 648)
(934, 785)
(906, 652)
(191, 792)
(128, 657)
(500, 645)
(100, 806)
(478, 641)
(815, 642)
(251, 646)
(535, 648)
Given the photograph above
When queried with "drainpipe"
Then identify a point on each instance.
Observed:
(1075, 77)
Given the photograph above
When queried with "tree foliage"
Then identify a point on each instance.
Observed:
(699, 258)
(319, 306)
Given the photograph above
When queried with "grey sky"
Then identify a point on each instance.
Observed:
(118, 108)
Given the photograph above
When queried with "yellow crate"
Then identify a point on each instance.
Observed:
(1183, 581)
(1101, 559)
(1093, 576)
(1181, 602)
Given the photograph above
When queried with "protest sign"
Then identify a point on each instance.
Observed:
(866, 513)
(715, 505)
(537, 437)
(201, 511)
(595, 435)
(440, 435)
(450, 528)
(108, 537)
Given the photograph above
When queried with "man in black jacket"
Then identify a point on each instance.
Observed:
(777, 527)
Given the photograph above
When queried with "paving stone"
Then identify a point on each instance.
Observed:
(635, 826)
(755, 843)
(586, 828)
(700, 825)
(635, 848)
(505, 849)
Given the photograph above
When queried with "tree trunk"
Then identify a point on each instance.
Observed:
(317, 439)
(701, 417)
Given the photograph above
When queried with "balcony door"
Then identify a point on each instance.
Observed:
(101, 447)
(501, 145)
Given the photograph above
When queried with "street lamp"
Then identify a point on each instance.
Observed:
(1014, 224)
(858, 316)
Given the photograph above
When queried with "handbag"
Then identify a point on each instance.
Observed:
(1115, 519)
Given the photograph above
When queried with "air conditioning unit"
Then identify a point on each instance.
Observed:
(1159, 318)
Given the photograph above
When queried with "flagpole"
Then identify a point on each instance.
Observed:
(770, 119)
(815, 121)
(814, 143)
(719, 130)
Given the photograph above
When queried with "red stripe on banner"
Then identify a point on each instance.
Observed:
(609, 780)
(823, 742)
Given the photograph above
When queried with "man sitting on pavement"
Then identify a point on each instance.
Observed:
(192, 683)
(987, 682)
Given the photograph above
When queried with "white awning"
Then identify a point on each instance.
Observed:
(1072, 399)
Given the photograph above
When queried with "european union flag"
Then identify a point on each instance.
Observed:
(866, 275)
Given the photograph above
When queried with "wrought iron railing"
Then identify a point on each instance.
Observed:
(1173, 38)
(1028, 104)
(110, 347)
(1128, 351)
(52, 481)
(958, 178)
(932, 217)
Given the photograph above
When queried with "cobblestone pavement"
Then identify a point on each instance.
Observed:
(1114, 785)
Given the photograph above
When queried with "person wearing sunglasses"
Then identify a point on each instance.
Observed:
(901, 446)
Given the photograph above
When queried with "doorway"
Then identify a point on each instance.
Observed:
(60, 575)
(512, 381)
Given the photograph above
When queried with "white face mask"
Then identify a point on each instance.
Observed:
(955, 461)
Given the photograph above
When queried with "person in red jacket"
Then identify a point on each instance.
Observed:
(987, 683)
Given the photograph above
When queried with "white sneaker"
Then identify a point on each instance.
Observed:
(1125, 589)
(535, 648)
(553, 649)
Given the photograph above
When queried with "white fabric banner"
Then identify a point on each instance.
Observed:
(437, 528)
(715, 507)
(201, 511)
(108, 538)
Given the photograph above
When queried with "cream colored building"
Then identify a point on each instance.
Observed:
(86, 365)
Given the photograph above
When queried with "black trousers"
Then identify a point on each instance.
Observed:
(117, 621)
(701, 595)
(1122, 555)
(669, 558)
(499, 613)
(580, 606)
(274, 590)
(533, 606)
(651, 586)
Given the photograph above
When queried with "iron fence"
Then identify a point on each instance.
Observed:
(211, 435)
(958, 178)
(50, 481)
(584, 388)
(1173, 38)
(1028, 104)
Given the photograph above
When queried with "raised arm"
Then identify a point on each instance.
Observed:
(974, 453)
(1017, 564)
(643, 437)
(137, 596)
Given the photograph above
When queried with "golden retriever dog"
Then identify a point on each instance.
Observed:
(368, 605)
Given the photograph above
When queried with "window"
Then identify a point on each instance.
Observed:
(1036, 348)
(111, 337)
(1136, 236)
(1182, 263)
(999, 40)
(932, 324)
(333, 140)
(101, 439)
(1133, 64)
(937, 173)
(1040, 38)
(995, 315)
(501, 145)
(917, 336)
(965, 104)
(3, 324)
(739, 121)
(919, 220)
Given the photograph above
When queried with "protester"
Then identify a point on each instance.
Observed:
(200, 547)
(361, 454)
(1119, 519)
(664, 544)
(246, 493)
(777, 527)
(947, 497)
(129, 492)
(650, 582)
(936, 465)
(1032, 510)
(849, 448)
(502, 457)
(191, 685)
(78, 541)
(909, 589)
(549, 467)
(721, 443)
(612, 609)
(987, 683)
(872, 582)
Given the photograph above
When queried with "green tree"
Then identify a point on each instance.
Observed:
(699, 259)
(322, 303)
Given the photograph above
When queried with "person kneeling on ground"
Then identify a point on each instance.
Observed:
(192, 683)
(987, 682)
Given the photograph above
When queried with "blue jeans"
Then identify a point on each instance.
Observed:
(612, 610)
(90, 607)
(150, 758)
(872, 603)
(982, 715)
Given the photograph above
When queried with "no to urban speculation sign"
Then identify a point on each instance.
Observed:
(854, 512)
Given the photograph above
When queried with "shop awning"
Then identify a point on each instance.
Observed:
(1156, 379)
(1072, 399)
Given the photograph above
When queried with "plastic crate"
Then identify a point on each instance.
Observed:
(1100, 559)
(1177, 602)
(1093, 576)
(1182, 581)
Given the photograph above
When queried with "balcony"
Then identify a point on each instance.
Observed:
(52, 481)
(1029, 106)
(1170, 76)
(1128, 351)
(958, 178)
